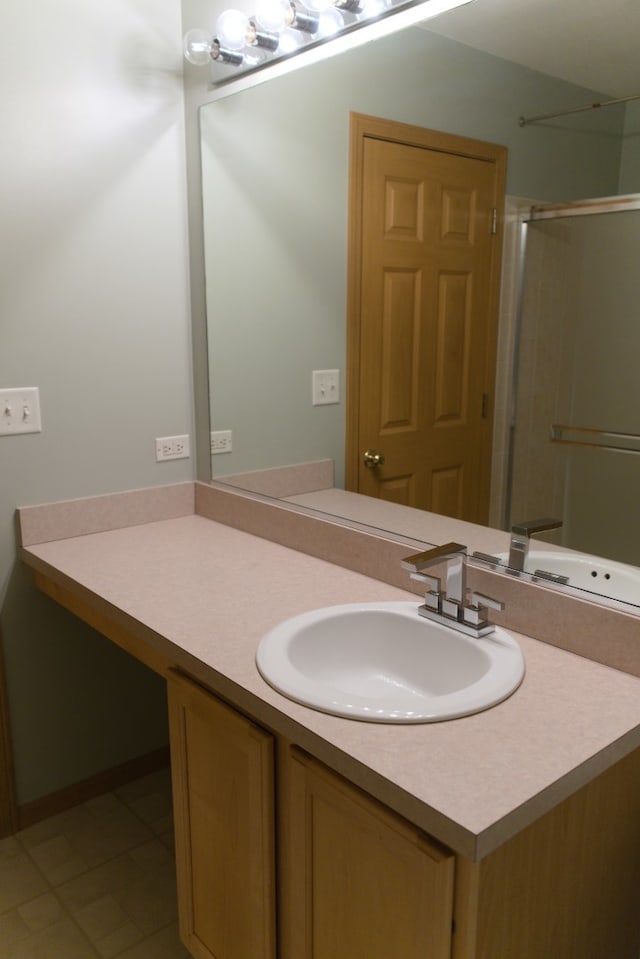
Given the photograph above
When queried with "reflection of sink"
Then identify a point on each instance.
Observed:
(603, 576)
(383, 662)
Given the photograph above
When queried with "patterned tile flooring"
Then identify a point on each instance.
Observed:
(95, 882)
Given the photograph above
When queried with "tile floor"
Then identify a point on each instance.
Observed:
(95, 882)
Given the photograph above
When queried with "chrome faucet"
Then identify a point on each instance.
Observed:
(451, 606)
(520, 535)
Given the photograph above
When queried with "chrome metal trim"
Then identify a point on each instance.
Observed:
(609, 440)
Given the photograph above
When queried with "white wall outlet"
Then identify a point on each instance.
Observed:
(325, 387)
(221, 441)
(172, 448)
(20, 411)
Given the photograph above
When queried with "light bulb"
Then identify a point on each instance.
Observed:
(290, 41)
(372, 8)
(330, 22)
(197, 47)
(318, 6)
(274, 15)
(232, 28)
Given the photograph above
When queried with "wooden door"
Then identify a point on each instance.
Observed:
(358, 881)
(223, 790)
(424, 275)
(8, 801)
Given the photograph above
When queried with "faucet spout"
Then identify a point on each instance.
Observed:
(454, 554)
(520, 536)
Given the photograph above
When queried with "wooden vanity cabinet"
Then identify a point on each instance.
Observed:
(224, 818)
(354, 879)
(350, 878)
(357, 880)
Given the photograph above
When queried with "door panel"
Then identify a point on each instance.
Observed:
(359, 882)
(426, 304)
(223, 787)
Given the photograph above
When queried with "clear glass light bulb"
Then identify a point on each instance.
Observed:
(273, 15)
(330, 22)
(290, 41)
(318, 6)
(232, 28)
(196, 46)
(372, 8)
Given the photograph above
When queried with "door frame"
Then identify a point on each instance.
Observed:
(362, 126)
(8, 800)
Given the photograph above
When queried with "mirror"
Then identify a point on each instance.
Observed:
(275, 181)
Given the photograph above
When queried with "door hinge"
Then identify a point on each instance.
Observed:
(494, 221)
(485, 406)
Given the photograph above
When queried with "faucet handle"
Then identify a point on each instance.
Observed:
(433, 582)
(475, 612)
(433, 596)
(487, 601)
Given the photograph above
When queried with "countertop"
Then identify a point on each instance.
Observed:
(203, 594)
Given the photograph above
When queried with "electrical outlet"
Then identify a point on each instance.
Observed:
(20, 411)
(172, 448)
(221, 441)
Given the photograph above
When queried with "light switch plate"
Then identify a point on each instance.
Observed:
(20, 411)
(325, 387)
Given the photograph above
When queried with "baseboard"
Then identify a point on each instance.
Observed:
(63, 799)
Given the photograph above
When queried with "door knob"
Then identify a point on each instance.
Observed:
(373, 458)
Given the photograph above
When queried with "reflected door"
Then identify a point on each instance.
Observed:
(427, 276)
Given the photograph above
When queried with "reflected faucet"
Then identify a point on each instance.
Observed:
(520, 535)
(450, 606)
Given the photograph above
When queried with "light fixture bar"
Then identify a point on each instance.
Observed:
(359, 22)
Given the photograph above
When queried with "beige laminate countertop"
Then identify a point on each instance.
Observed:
(204, 594)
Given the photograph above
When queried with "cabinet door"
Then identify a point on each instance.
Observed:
(222, 769)
(358, 880)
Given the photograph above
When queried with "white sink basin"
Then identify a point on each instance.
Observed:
(602, 576)
(382, 662)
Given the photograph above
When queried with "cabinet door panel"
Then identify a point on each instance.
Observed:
(222, 767)
(359, 881)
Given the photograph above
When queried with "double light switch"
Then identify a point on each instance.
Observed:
(20, 411)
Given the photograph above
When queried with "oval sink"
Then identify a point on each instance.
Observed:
(383, 662)
(602, 576)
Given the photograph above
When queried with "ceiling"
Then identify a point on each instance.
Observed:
(592, 43)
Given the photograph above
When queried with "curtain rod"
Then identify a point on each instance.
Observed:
(523, 121)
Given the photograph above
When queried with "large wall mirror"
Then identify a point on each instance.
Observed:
(275, 165)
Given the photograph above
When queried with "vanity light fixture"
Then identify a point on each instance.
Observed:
(283, 28)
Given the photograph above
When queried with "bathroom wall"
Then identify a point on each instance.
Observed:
(94, 310)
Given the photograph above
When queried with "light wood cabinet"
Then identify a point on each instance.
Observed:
(565, 887)
(356, 879)
(223, 787)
